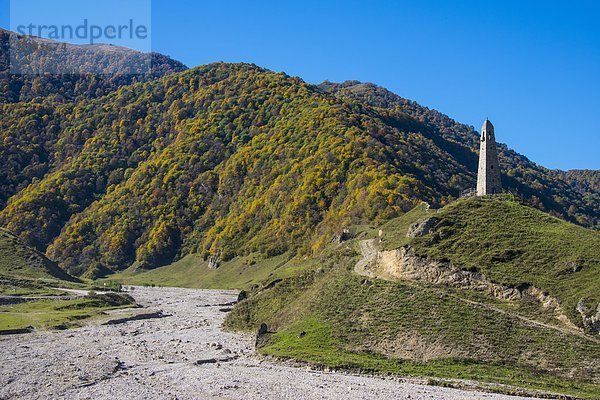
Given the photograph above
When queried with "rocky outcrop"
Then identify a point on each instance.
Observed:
(341, 236)
(261, 336)
(422, 228)
(214, 261)
(591, 319)
(404, 264)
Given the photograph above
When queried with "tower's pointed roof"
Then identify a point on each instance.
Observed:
(487, 125)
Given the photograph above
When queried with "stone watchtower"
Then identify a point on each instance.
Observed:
(488, 176)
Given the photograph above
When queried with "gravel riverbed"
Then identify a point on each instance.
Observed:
(184, 355)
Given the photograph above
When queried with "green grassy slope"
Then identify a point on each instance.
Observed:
(20, 264)
(28, 284)
(387, 327)
(192, 271)
(328, 315)
(60, 314)
(516, 245)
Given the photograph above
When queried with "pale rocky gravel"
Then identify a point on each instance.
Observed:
(156, 359)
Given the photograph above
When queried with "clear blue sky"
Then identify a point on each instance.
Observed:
(532, 67)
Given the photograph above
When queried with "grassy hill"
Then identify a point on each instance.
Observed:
(327, 315)
(22, 266)
(193, 271)
(516, 246)
(29, 285)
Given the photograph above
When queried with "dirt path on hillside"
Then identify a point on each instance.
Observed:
(368, 250)
(530, 321)
(185, 355)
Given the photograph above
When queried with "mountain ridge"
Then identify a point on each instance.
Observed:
(220, 80)
(226, 159)
(36, 82)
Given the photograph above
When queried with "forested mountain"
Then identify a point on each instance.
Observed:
(29, 102)
(230, 159)
(585, 181)
(549, 190)
(112, 66)
(224, 158)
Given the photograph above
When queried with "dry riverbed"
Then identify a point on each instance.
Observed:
(182, 355)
